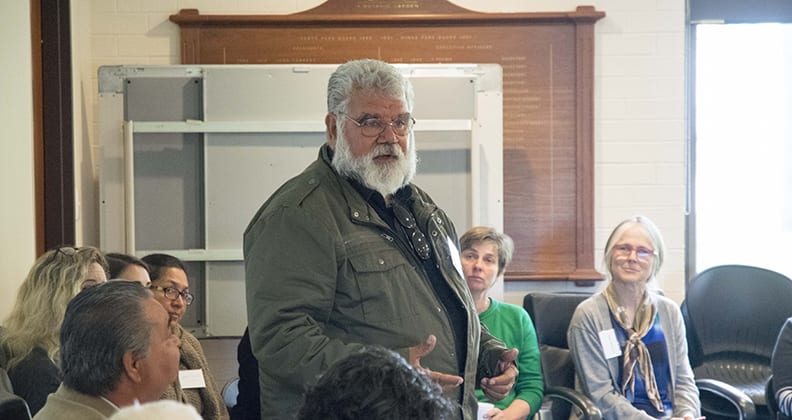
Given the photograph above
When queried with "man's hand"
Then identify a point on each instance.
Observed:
(498, 387)
(446, 381)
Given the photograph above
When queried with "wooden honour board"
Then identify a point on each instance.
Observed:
(548, 77)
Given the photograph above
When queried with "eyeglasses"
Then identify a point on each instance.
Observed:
(625, 250)
(67, 250)
(417, 238)
(173, 293)
(68, 256)
(64, 251)
(373, 127)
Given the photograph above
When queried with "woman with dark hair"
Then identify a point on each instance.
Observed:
(128, 267)
(171, 288)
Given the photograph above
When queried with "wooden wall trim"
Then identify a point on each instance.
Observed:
(38, 124)
(548, 63)
(333, 13)
(585, 152)
(56, 138)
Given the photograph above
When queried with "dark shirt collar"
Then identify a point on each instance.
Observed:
(372, 197)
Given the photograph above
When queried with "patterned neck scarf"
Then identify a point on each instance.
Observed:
(635, 350)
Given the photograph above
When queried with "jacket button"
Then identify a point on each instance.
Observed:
(356, 214)
(435, 233)
(439, 309)
(381, 261)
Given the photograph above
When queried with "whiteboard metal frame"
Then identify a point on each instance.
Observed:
(117, 220)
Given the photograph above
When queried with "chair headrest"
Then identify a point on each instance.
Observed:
(749, 297)
(551, 313)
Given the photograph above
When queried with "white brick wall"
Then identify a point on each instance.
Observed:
(639, 98)
(17, 216)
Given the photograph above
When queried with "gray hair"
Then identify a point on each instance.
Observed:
(483, 234)
(102, 323)
(654, 236)
(366, 75)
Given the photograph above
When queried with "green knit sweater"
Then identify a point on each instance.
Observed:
(512, 325)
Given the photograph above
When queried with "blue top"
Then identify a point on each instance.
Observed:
(655, 341)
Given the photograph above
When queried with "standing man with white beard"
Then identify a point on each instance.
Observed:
(350, 253)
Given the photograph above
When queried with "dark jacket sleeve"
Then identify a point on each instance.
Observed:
(490, 351)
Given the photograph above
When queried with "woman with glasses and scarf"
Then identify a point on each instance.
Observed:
(171, 288)
(31, 334)
(628, 342)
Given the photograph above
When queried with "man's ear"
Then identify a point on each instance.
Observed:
(132, 367)
(332, 132)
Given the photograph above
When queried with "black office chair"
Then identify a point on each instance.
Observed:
(733, 314)
(772, 404)
(779, 365)
(12, 407)
(551, 313)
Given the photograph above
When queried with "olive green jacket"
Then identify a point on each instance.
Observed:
(325, 275)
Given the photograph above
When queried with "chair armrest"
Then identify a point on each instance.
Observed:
(739, 399)
(575, 398)
(13, 407)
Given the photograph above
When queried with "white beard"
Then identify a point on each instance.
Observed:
(385, 178)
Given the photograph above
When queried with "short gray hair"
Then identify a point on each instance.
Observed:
(366, 75)
(102, 323)
(482, 234)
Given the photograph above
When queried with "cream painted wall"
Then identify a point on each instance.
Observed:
(17, 213)
(639, 101)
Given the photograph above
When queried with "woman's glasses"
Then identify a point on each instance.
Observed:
(173, 293)
(625, 250)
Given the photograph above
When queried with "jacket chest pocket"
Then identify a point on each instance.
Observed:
(389, 287)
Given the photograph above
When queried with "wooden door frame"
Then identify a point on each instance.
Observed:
(53, 135)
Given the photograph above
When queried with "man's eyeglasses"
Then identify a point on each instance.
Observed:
(417, 238)
(173, 293)
(625, 250)
(373, 127)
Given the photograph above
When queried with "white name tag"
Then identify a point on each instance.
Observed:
(610, 345)
(192, 378)
(455, 257)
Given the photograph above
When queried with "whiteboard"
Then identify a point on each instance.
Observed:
(191, 152)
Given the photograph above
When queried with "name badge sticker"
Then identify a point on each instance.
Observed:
(610, 345)
(192, 378)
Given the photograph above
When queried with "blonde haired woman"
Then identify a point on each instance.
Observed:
(31, 333)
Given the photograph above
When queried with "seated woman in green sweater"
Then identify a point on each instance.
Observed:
(485, 255)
